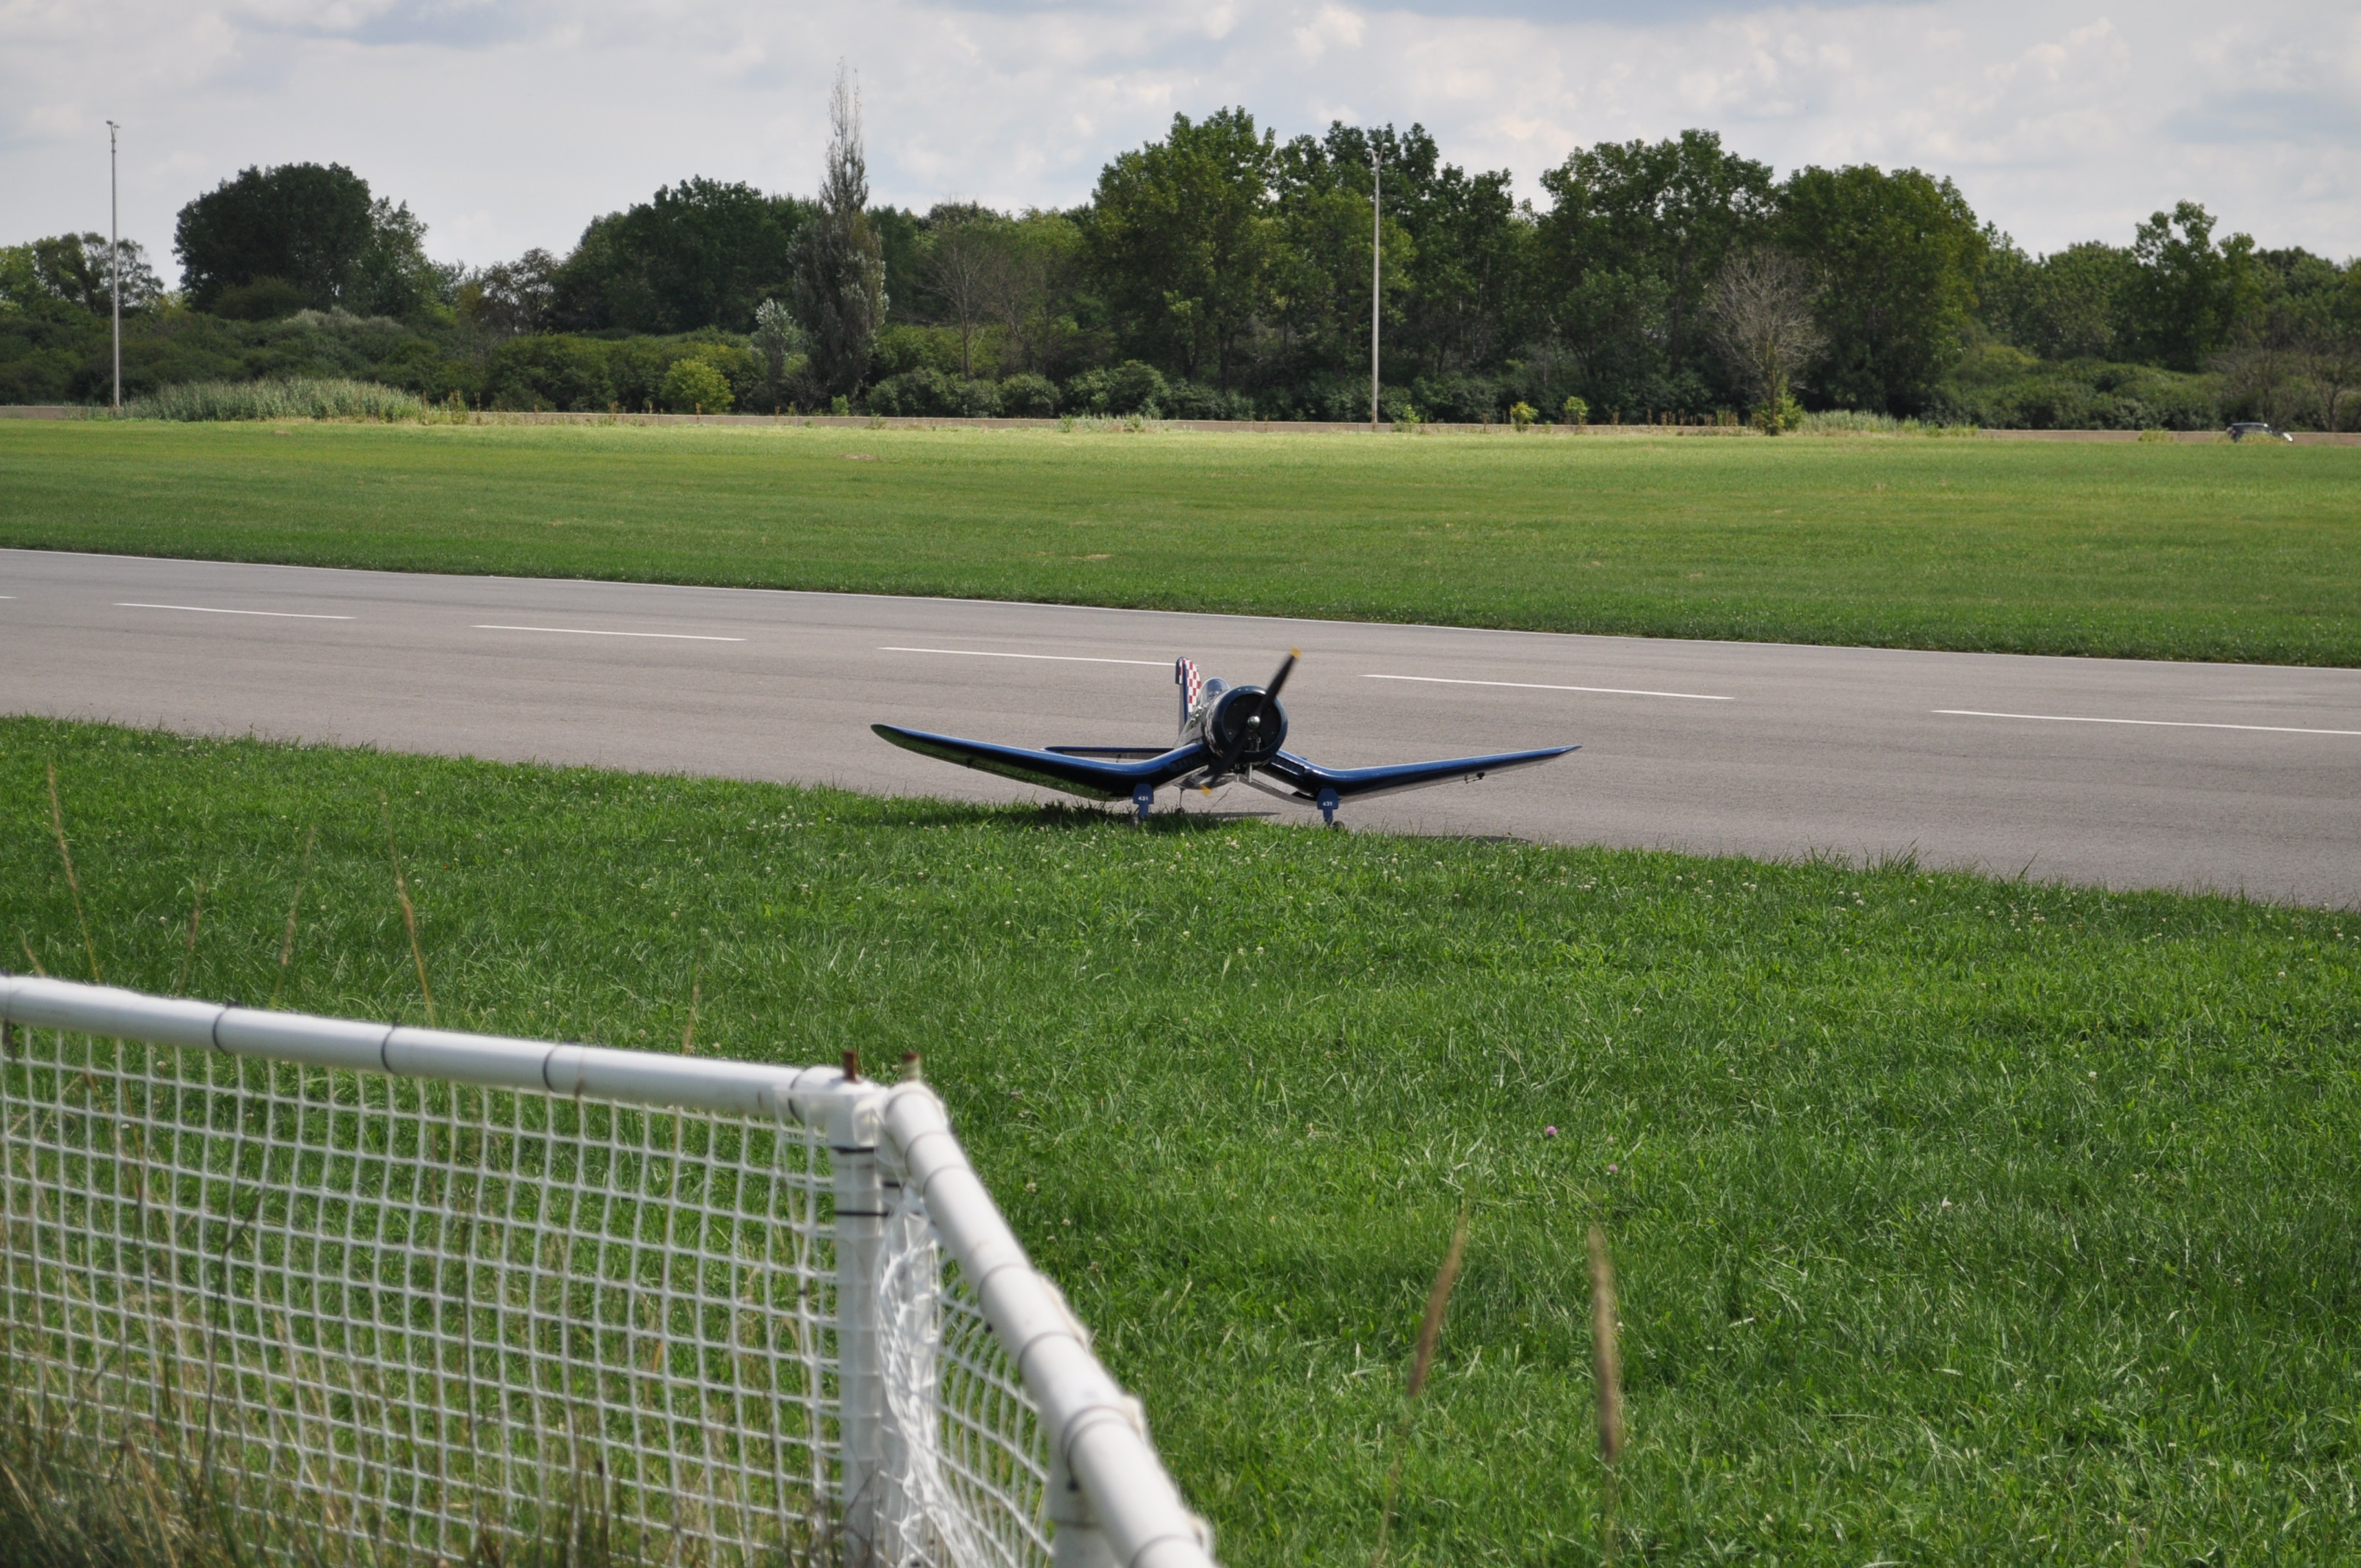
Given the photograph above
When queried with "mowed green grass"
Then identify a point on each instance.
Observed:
(2248, 552)
(1958, 1220)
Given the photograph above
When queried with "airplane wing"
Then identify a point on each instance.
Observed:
(1307, 781)
(1084, 776)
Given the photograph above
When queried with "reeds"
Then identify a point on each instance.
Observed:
(289, 398)
(1606, 1364)
(1422, 1362)
(409, 911)
(74, 884)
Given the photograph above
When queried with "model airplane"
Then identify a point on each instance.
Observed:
(1228, 734)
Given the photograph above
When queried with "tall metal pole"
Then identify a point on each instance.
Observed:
(1376, 242)
(115, 257)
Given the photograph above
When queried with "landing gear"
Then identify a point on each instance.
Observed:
(1143, 798)
(1328, 803)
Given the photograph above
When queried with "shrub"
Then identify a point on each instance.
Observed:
(558, 371)
(276, 399)
(2019, 393)
(913, 393)
(265, 299)
(1458, 400)
(1188, 400)
(1133, 387)
(693, 386)
(1028, 397)
(1521, 414)
(1575, 411)
(1785, 415)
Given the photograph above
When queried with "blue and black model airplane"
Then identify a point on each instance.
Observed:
(1228, 734)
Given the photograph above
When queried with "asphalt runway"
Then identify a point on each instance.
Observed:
(2129, 774)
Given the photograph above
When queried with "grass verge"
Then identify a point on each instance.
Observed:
(1954, 1220)
(2142, 551)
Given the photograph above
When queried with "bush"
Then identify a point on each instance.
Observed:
(557, 371)
(1188, 400)
(276, 399)
(2015, 391)
(913, 394)
(694, 386)
(1575, 411)
(1133, 387)
(739, 367)
(264, 300)
(1028, 397)
(1521, 414)
(1458, 400)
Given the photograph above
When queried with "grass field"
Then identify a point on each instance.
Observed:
(2248, 553)
(1958, 1220)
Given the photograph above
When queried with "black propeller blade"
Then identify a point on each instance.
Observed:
(1265, 697)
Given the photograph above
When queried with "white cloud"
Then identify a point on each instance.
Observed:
(509, 122)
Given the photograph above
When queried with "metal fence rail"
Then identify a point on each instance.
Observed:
(416, 1289)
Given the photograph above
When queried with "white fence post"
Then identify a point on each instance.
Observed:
(860, 1384)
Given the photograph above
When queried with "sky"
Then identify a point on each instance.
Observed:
(509, 123)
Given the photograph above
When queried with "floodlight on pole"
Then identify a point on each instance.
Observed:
(1377, 245)
(115, 257)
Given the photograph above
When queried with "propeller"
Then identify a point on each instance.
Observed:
(1264, 698)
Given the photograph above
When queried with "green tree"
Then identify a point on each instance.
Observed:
(511, 298)
(1320, 260)
(961, 266)
(1181, 235)
(2188, 297)
(700, 254)
(73, 270)
(312, 227)
(1034, 298)
(2064, 305)
(1666, 215)
(695, 386)
(840, 266)
(1898, 257)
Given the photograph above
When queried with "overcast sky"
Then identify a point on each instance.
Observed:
(507, 123)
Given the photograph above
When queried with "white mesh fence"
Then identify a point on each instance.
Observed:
(399, 1318)
(414, 1312)
(965, 1464)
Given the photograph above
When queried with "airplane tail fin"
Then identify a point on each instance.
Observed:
(1192, 684)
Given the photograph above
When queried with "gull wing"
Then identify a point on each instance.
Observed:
(1082, 775)
(1306, 780)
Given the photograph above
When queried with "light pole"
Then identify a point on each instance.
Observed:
(115, 259)
(1376, 242)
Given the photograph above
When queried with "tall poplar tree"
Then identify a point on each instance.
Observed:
(840, 266)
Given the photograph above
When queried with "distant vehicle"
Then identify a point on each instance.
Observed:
(2256, 427)
(1228, 735)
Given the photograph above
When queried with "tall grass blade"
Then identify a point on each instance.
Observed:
(188, 953)
(287, 947)
(1607, 1362)
(409, 911)
(74, 884)
(1422, 1362)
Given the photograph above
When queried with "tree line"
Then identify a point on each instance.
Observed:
(1220, 271)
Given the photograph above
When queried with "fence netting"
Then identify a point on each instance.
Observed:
(966, 1471)
(397, 1319)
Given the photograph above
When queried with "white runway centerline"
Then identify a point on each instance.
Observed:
(1053, 658)
(2155, 723)
(1538, 686)
(208, 610)
(593, 631)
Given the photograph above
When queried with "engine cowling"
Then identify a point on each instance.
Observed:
(1245, 726)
